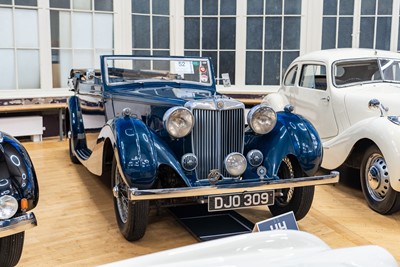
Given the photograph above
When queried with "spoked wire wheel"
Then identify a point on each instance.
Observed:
(121, 198)
(296, 199)
(132, 217)
(286, 194)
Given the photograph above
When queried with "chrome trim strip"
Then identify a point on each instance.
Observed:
(17, 224)
(150, 194)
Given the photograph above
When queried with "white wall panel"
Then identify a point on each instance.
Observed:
(6, 29)
(26, 28)
(82, 27)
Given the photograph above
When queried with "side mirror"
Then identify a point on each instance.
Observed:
(225, 79)
(375, 103)
(72, 84)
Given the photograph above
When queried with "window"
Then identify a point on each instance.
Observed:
(313, 76)
(81, 31)
(273, 39)
(357, 23)
(19, 44)
(359, 71)
(150, 27)
(291, 77)
(210, 31)
(376, 24)
(337, 23)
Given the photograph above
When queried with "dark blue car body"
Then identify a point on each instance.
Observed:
(117, 128)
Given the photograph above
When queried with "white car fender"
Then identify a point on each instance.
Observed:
(288, 248)
(385, 134)
(276, 101)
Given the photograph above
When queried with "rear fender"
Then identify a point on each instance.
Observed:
(292, 135)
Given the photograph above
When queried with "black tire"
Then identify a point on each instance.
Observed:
(297, 199)
(72, 156)
(11, 249)
(375, 183)
(132, 217)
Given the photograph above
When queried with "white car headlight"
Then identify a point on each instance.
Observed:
(178, 121)
(8, 207)
(261, 119)
(235, 164)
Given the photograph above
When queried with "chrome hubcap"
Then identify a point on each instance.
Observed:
(377, 177)
(373, 178)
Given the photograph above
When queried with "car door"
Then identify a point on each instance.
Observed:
(311, 98)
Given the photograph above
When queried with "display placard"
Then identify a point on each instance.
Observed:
(281, 222)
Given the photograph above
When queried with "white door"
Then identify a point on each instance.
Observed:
(311, 98)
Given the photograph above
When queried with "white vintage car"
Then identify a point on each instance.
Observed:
(352, 97)
(269, 248)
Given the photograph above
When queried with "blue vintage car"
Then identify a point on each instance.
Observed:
(159, 130)
(19, 193)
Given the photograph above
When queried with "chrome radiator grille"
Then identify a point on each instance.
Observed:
(216, 134)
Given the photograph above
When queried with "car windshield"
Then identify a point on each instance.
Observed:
(364, 71)
(122, 70)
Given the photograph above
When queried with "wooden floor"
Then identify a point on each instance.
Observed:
(77, 225)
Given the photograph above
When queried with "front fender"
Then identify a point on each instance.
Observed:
(135, 151)
(18, 176)
(276, 101)
(292, 135)
(139, 152)
(385, 134)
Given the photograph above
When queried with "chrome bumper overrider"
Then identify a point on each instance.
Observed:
(17, 224)
(149, 194)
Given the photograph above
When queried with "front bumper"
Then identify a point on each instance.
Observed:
(17, 224)
(150, 194)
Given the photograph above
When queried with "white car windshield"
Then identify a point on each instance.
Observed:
(121, 70)
(366, 71)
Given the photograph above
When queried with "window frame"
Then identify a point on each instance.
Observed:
(314, 87)
(17, 49)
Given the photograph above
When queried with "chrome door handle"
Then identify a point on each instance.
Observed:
(327, 99)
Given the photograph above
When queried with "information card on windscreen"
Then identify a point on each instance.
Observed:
(184, 67)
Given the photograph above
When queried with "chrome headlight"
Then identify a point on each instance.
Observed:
(178, 121)
(8, 207)
(235, 164)
(261, 119)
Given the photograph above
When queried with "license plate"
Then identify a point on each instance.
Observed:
(240, 200)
